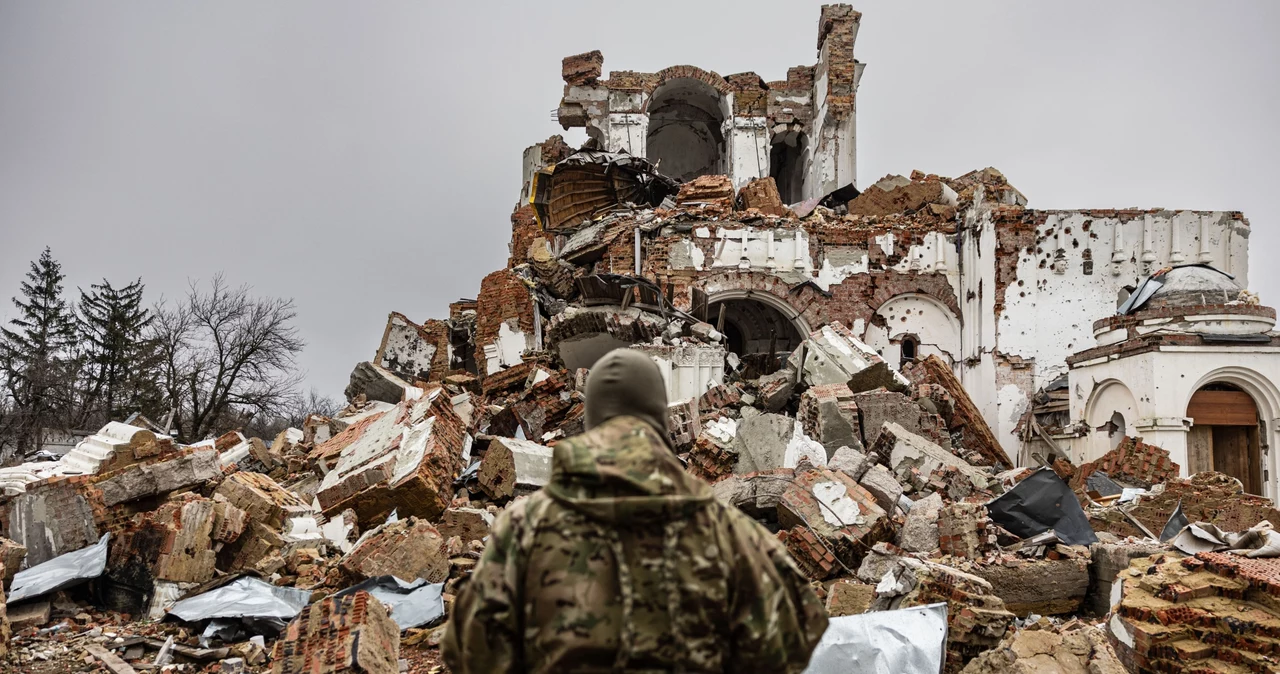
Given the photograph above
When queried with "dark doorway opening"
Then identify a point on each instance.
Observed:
(1224, 435)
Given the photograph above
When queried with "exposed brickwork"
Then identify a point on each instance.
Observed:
(1212, 612)
(836, 31)
(965, 422)
(750, 94)
(800, 507)
(504, 297)
(962, 530)
(1132, 462)
(1206, 497)
(762, 195)
(582, 69)
(408, 549)
(353, 633)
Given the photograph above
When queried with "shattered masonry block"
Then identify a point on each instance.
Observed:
(964, 418)
(683, 422)
(263, 499)
(1212, 612)
(962, 530)
(413, 352)
(55, 517)
(504, 321)
(920, 531)
(849, 597)
(719, 397)
(116, 446)
(775, 389)
(1038, 586)
(713, 456)
(838, 510)
(896, 194)
(829, 415)
(375, 383)
(877, 408)
(582, 69)
(907, 454)
(715, 190)
(11, 556)
(510, 463)
(814, 560)
(352, 633)
(187, 468)
(228, 522)
(1108, 560)
(976, 618)
(408, 549)
(1133, 462)
(257, 547)
(405, 460)
(833, 355)
(882, 485)
(468, 524)
(756, 494)
(1035, 651)
(762, 195)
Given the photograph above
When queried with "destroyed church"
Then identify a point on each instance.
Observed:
(1049, 430)
(715, 223)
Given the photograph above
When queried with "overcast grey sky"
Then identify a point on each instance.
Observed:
(365, 157)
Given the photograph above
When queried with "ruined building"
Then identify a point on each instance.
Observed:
(733, 200)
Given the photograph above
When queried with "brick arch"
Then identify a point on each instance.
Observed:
(707, 77)
(805, 302)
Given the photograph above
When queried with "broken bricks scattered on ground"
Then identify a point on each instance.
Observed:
(787, 317)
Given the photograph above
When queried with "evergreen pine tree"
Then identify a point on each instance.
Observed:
(34, 356)
(117, 355)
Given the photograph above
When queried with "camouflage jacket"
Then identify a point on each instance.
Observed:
(625, 562)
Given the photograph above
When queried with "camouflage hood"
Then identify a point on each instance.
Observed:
(621, 471)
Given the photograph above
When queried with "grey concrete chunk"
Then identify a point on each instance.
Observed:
(850, 461)
(882, 485)
(920, 532)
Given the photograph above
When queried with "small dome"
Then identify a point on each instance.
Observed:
(1188, 285)
(1194, 285)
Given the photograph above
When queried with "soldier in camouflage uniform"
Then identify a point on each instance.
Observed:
(625, 562)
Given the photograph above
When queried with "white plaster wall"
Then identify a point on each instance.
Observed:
(507, 349)
(761, 249)
(628, 132)
(920, 315)
(688, 370)
(748, 141)
(977, 283)
(1049, 315)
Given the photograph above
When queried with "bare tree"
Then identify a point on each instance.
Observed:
(228, 357)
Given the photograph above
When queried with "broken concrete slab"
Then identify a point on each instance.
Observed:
(843, 514)
(833, 355)
(829, 415)
(768, 441)
(352, 633)
(1038, 586)
(850, 461)
(920, 531)
(408, 549)
(912, 459)
(376, 383)
(756, 494)
(510, 464)
(884, 486)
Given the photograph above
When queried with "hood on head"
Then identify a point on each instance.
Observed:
(622, 471)
(626, 382)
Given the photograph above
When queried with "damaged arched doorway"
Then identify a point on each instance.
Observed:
(787, 164)
(758, 327)
(685, 136)
(1224, 434)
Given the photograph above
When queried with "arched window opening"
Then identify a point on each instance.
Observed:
(757, 332)
(685, 138)
(1224, 434)
(787, 165)
(910, 349)
(1117, 429)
